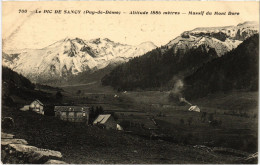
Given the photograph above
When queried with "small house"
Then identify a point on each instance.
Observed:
(106, 121)
(37, 107)
(194, 108)
(77, 114)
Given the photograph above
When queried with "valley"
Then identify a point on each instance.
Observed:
(193, 100)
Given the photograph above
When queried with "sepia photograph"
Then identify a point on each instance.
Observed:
(121, 82)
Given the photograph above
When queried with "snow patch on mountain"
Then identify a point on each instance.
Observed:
(222, 39)
(70, 57)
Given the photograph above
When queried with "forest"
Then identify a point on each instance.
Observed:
(200, 68)
(237, 70)
(156, 68)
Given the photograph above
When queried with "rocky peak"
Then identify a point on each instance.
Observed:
(95, 41)
(80, 41)
(222, 39)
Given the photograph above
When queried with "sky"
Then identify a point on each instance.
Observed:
(35, 31)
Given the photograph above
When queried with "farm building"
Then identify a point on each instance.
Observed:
(75, 114)
(105, 120)
(194, 108)
(37, 106)
(119, 128)
(25, 108)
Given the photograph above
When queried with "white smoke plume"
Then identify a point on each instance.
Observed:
(178, 87)
(182, 99)
(177, 90)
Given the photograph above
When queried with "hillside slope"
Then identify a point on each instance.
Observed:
(237, 69)
(17, 89)
(12, 81)
(80, 144)
(155, 69)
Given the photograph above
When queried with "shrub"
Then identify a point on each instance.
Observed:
(7, 123)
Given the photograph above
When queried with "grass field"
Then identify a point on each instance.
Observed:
(237, 111)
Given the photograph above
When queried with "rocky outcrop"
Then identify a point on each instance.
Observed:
(251, 159)
(222, 39)
(51, 161)
(6, 136)
(17, 151)
(6, 142)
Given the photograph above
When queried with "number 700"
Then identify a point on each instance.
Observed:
(22, 11)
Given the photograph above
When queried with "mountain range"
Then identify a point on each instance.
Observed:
(222, 39)
(182, 57)
(144, 65)
(69, 57)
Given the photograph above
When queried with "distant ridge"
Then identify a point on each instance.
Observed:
(67, 57)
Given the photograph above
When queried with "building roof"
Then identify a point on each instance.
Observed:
(38, 101)
(25, 108)
(194, 108)
(102, 119)
(71, 108)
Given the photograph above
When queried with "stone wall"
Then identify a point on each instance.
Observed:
(17, 151)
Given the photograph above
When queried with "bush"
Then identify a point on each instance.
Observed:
(7, 123)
